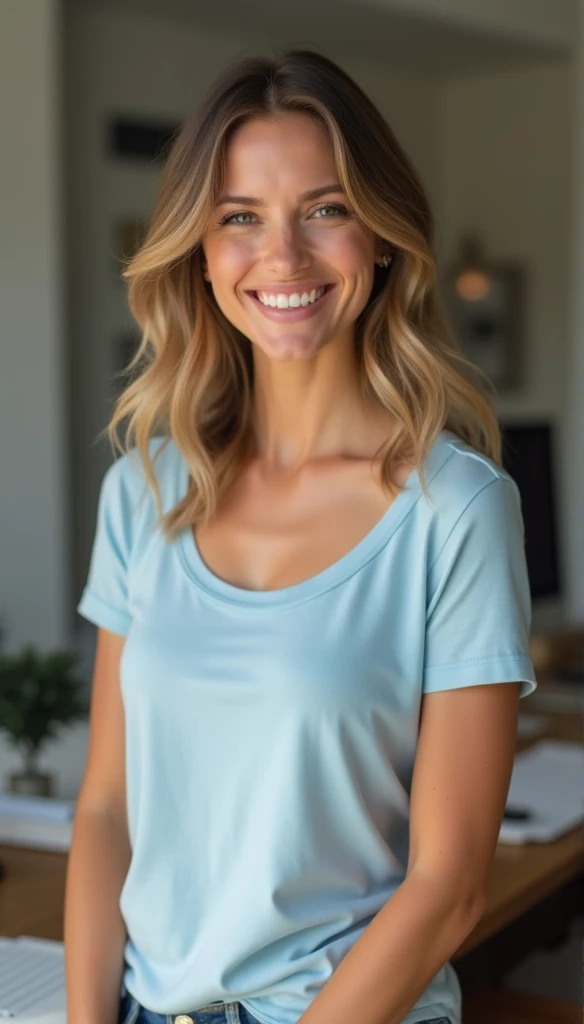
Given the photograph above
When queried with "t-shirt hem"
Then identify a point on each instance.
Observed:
(506, 668)
(92, 607)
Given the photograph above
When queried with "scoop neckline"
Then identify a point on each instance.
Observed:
(220, 589)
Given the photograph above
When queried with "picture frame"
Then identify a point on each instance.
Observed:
(486, 302)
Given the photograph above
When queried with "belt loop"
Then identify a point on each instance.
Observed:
(232, 1013)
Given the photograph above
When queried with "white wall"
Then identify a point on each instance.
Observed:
(506, 172)
(34, 567)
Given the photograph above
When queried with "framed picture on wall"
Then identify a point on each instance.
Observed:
(486, 302)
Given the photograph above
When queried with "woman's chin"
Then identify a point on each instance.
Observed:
(287, 344)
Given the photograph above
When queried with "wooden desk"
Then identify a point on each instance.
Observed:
(32, 892)
(526, 882)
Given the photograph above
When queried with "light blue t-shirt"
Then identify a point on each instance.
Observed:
(271, 735)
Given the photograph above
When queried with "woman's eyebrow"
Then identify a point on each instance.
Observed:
(313, 193)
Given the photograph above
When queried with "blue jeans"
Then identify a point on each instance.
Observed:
(131, 1012)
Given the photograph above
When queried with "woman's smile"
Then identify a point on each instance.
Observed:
(277, 304)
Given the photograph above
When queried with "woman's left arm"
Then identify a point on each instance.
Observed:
(461, 778)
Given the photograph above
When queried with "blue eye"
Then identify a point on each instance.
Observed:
(338, 209)
(229, 218)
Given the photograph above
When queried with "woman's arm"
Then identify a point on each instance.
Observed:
(461, 779)
(100, 854)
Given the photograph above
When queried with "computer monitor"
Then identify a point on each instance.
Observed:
(528, 457)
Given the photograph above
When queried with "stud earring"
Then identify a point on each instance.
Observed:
(385, 260)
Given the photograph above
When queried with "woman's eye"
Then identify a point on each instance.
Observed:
(335, 207)
(230, 218)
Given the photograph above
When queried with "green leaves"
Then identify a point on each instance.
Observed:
(38, 694)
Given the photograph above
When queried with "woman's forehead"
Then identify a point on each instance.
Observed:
(287, 150)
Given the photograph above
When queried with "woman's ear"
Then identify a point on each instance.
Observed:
(383, 252)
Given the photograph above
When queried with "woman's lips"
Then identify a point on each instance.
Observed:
(293, 312)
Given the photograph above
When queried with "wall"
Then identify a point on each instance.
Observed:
(529, 20)
(506, 172)
(575, 397)
(34, 568)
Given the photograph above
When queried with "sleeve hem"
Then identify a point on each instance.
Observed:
(92, 607)
(505, 668)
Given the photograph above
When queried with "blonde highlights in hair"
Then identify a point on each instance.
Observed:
(192, 375)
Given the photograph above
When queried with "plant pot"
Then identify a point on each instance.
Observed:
(30, 784)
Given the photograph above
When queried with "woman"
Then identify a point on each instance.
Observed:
(309, 581)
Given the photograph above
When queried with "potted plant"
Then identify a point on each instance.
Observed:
(39, 693)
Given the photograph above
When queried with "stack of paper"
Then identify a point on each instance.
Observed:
(32, 981)
(40, 822)
(547, 784)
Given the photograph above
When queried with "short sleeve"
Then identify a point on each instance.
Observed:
(478, 614)
(105, 598)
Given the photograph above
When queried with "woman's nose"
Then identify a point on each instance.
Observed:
(286, 250)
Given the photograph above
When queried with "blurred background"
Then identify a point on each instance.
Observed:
(487, 98)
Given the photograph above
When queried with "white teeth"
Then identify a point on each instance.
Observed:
(282, 301)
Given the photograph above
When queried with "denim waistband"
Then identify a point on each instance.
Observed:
(132, 1012)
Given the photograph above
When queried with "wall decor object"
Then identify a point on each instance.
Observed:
(140, 139)
(486, 302)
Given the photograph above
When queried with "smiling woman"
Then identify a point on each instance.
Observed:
(298, 768)
(291, 256)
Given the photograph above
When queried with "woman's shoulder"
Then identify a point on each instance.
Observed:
(457, 472)
(459, 479)
(125, 480)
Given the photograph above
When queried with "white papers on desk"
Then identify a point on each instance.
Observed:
(32, 981)
(548, 782)
(37, 808)
(39, 822)
(35, 835)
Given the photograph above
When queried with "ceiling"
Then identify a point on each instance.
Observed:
(408, 42)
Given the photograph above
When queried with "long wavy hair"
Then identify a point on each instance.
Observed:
(191, 378)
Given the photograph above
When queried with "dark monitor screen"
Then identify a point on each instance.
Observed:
(528, 457)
